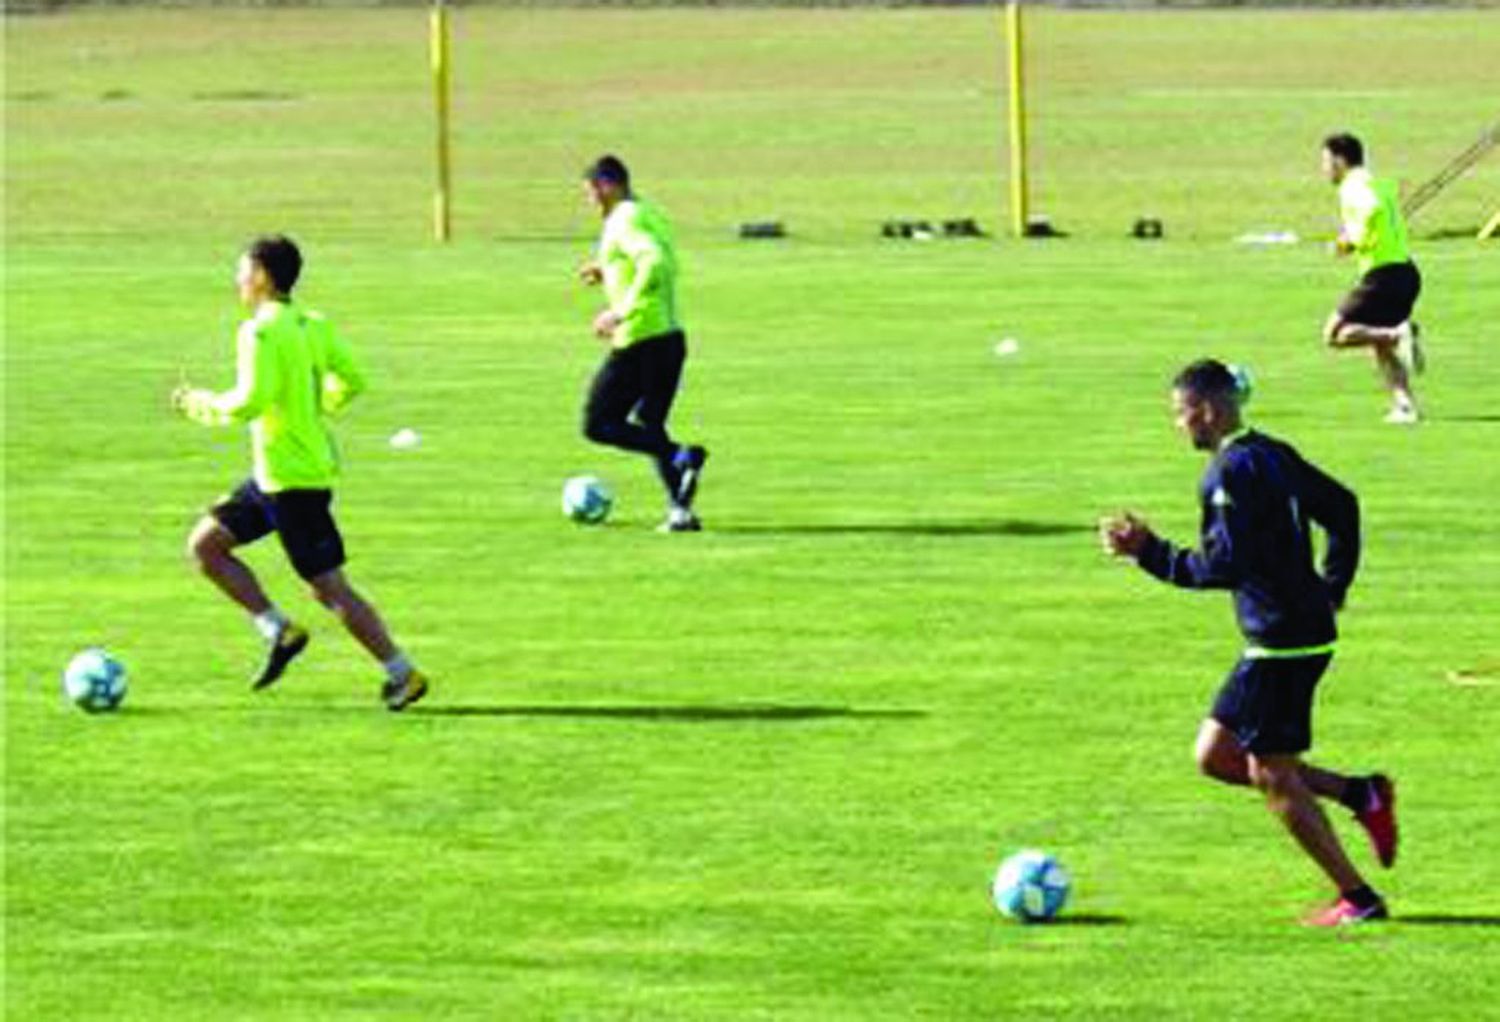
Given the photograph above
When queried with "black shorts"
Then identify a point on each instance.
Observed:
(641, 378)
(302, 518)
(1384, 297)
(1268, 703)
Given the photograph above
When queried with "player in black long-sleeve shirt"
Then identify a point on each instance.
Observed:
(1258, 498)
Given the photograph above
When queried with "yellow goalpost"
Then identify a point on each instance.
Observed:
(442, 214)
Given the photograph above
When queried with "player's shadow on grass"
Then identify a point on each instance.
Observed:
(687, 713)
(1476, 417)
(1446, 919)
(1017, 527)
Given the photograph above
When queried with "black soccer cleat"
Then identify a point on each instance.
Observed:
(688, 473)
(289, 642)
(399, 693)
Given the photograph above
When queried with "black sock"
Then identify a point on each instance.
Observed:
(1363, 896)
(1356, 794)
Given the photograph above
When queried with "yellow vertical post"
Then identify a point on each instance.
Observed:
(442, 223)
(1018, 196)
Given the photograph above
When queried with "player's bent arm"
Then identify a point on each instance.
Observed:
(647, 257)
(1358, 216)
(345, 379)
(254, 386)
(1217, 565)
(1186, 569)
(1334, 507)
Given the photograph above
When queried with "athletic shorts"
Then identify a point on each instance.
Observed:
(1268, 702)
(302, 518)
(1383, 297)
(642, 378)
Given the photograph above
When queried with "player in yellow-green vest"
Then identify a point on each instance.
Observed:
(1377, 313)
(293, 370)
(633, 390)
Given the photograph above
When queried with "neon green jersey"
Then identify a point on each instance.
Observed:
(1371, 212)
(292, 370)
(639, 262)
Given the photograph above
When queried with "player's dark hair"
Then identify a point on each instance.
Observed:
(1347, 148)
(1210, 380)
(278, 256)
(608, 168)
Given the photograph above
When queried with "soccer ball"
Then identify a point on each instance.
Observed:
(586, 499)
(1030, 886)
(94, 681)
(1244, 384)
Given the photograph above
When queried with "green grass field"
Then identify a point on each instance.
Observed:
(764, 772)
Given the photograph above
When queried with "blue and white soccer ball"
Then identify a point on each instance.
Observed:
(1030, 886)
(94, 681)
(586, 499)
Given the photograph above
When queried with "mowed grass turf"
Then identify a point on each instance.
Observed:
(765, 771)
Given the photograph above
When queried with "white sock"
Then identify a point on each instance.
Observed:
(398, 667)
(270, 623)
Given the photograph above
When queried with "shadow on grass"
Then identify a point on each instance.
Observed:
(246, 96)
(976, 527)
(1446, 919)
(1452, 233)
(690, 714)
(1088, 919)
(1465, 418)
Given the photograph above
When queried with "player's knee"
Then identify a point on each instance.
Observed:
(596, 428)
(1207, 761)
(1281, 781)
(332, 590)
(326, 592)
(205, 544)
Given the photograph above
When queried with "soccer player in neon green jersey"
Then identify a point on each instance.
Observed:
(1377, 313)
(633, 391)
(293, 370)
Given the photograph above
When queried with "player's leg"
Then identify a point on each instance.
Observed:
(312, 542)
(1279, 775)
(1221, 755)
(241, 518)
(211, 547)
(679, 466)
(1386, 345)
(1375, 315)
(1273, 698)
(404, 684)
(617, 388)
(358, 616)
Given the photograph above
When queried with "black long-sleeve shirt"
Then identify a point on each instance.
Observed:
(1258, 496)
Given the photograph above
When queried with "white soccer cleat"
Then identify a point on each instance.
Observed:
(680, 519)
(1403, 415)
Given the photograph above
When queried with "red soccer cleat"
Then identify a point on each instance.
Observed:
(1345, 913)
(1379, 819)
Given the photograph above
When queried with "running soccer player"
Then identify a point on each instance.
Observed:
(633, 390)
(1377, 313)
(1258, 498)
(292, 371)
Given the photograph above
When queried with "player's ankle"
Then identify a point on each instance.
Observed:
(1356, 794)
(398, 667)
(270, 623)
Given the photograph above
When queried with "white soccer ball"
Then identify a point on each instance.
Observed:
(586, 499)
(94, 681)
(1030, 886)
